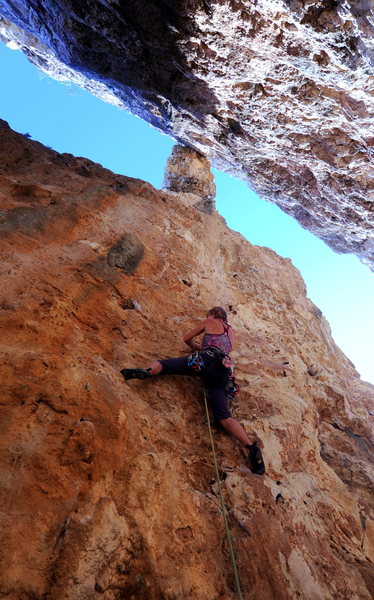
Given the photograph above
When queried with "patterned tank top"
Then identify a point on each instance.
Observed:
(218, 340)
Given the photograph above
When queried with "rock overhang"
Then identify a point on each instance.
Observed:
(278, 93)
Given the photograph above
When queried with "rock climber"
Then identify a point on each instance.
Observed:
(211, 360)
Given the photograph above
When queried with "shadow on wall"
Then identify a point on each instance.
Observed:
(127, 43)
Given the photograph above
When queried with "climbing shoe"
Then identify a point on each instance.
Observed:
(135, 373)
(255, 460)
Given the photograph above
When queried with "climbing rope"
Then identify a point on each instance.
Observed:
(223, 507)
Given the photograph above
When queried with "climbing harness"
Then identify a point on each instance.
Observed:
(202, 358)
(223, 507)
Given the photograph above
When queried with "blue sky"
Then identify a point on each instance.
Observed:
(70, 120)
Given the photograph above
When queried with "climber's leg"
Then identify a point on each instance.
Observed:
(175, 366)
(155, 367)
(223, 418)
(169, 366)
(234, 428)
(254, 458)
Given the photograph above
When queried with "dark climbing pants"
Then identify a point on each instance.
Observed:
(215, 377)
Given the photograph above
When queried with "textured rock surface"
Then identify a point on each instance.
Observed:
(278, 92)
(107, 488)
(188, 173)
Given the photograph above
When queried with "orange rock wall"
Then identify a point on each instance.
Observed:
(107, 487)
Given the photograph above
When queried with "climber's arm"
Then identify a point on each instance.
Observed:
(188, 338)
(230, 333)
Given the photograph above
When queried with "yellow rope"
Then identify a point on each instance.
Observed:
(223, 507)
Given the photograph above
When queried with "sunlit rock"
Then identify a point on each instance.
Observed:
(108, 488)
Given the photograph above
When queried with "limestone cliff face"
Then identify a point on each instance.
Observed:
(278, 92)
(107, 487)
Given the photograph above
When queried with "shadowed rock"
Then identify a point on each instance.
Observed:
(126, 253)
(278, 93)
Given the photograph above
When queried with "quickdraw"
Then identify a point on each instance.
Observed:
(232, 388)
(196, 361)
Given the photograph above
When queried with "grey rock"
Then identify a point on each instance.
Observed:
(188, 173)
(126, 253)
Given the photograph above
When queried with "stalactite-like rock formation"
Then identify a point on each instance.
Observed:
(107, 487)
(278, 92)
